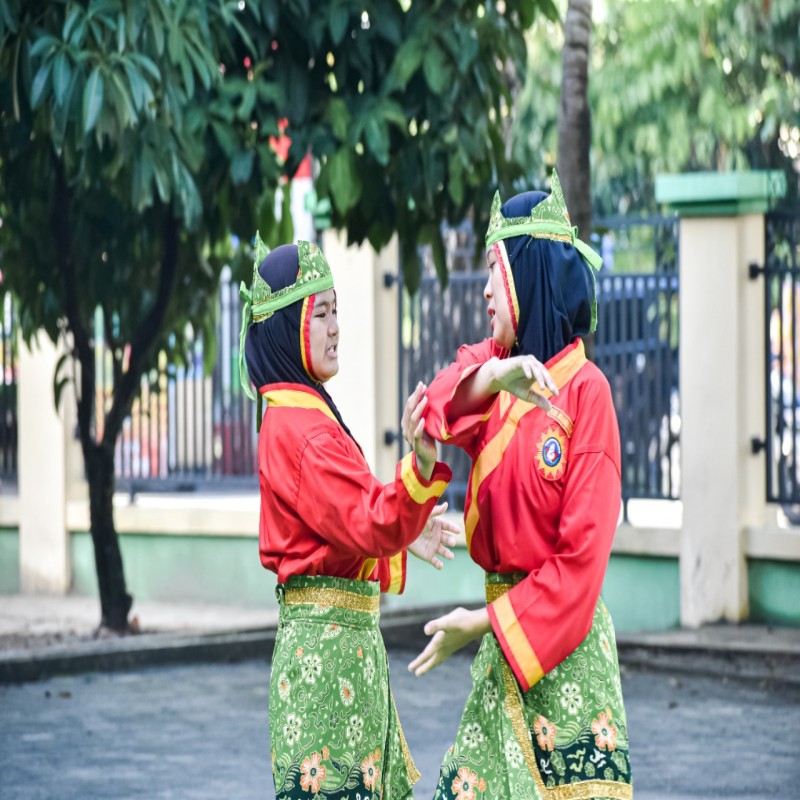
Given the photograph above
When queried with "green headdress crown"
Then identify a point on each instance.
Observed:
(260, 302)
(548, 220)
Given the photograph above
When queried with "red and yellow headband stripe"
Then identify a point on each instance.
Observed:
(305, 335)
(508, 281)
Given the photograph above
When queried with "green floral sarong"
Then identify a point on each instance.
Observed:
(334, 731)
(565, 738)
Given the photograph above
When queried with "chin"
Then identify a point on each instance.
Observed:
(502, 339)
(329, 373)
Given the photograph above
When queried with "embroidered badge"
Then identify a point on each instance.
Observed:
(551, 453)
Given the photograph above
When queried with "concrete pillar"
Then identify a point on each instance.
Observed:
(366, 388)
(722, 375)
(42, 463)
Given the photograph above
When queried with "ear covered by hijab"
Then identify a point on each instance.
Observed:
(274, 349)
(553, 283)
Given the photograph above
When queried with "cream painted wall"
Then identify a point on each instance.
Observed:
(44, 545)
(365, 390)
(722, 407)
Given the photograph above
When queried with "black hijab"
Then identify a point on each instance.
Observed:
(272, 347)
(554, 287)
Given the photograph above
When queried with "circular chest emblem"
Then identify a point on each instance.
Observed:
(551, 453)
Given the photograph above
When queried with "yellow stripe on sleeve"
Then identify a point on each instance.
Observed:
(517, 640)
(396, 574)
(419, 492)
(366, 569)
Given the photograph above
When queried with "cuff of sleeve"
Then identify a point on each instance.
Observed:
(397, 573)
(452, 427)
(421, 490)
(514, 643)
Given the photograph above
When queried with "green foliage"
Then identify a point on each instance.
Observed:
(675, 85)
(155, 114)
(685, 85)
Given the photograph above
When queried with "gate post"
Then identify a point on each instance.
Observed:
(722, 374)
(43, 469)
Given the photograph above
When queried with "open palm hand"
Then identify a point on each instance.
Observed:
(436, 539)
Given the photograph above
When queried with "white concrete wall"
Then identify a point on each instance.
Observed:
(43, 541)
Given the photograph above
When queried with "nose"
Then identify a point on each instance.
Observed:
(487, 290)
(333, 328)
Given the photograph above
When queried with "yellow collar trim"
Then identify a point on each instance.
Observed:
(294, 398)
(566, 368)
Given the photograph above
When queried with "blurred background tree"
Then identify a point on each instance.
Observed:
(135, 146)
(675, 85)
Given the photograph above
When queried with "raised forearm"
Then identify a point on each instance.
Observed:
(476, 390)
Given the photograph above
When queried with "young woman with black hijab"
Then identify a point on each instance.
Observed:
(545, 718)
(335, 536)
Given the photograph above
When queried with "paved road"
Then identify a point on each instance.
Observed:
(201, 732)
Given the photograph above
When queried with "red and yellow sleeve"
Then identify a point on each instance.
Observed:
(340, 499)
(544, 618)
(440, 423)
(391, 572)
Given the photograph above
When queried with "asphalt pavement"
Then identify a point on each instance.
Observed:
(200, 731)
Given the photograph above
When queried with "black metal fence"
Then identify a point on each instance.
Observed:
(636, 344)
(188, 429)
(8, 391)
(782, 314)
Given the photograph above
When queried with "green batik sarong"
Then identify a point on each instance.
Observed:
(334, 731)
(565, 738)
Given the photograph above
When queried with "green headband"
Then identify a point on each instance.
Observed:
(260, 302)
(548, 220)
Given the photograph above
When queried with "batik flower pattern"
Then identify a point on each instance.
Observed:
(605, 733)
(312, 773)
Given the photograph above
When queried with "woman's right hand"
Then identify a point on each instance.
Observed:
(525, 377)
(448, 634)
(413, 426)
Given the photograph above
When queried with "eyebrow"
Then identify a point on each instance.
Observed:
(323, 303)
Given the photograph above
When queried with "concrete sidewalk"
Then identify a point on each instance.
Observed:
(42, 636)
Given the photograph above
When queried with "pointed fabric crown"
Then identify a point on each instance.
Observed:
(260, 302)
(548, 220)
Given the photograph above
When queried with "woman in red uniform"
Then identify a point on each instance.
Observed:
(545, 718)
(335, 536)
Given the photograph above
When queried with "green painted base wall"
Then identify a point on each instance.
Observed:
(643, 593)
(182, 569)
(9, 561)
(774, 590)
(460, 583)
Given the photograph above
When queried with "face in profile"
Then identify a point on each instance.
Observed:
(497, 303)
(323, 336)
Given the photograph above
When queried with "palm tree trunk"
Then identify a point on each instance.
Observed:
(575, 123)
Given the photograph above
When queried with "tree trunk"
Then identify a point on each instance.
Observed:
(115, 602)
(574, 122)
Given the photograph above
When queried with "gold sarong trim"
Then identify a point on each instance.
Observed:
(337, 598)
(571, 791)
(496, 590)
(411, 768)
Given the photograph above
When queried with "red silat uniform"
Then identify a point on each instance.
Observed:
(323, 512)
(543, 499)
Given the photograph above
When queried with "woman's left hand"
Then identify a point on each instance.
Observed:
(450, 633)
(436, 539)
